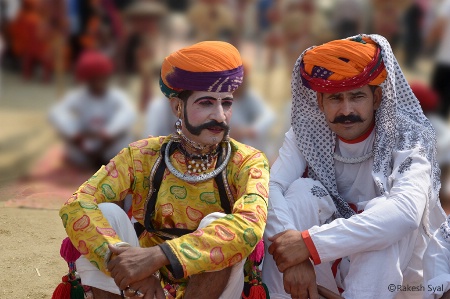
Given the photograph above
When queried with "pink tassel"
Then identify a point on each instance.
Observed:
(258, 252)
(68, 252)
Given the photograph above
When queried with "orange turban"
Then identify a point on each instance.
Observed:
(343, 65)
(206, 66)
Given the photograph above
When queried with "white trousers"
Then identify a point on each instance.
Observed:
(76, 155)
(119, 221)
(362, 275)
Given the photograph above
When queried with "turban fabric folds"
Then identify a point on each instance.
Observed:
(342, 65)
(206, 66)
(93, 64)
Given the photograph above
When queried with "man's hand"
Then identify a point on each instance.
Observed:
(288, 249)
(300, 281)
(133, 264)
(150, 287)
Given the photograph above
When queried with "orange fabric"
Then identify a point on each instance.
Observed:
(329, 56)
(311, 247)
(26, 33)
(198, 58)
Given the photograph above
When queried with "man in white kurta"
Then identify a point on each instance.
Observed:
(95, 120)
(358, 203)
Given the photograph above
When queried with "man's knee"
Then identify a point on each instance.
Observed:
(309, 199)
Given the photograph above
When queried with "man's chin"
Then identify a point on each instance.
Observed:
(210, 138)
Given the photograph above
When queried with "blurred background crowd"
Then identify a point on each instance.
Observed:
(79, 78)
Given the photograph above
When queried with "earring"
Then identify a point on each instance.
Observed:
(179, 111)
(178, 125)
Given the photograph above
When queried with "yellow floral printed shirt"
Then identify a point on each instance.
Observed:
(224, 242)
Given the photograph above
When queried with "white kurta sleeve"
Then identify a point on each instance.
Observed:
(373, 229)
(436, 267)
(63, 115)
(265, 117)
(289, 166)
(156, 117)
(124, 115)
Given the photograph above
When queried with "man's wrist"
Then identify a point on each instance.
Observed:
(310, 247)
(159, 256)
(171, 260)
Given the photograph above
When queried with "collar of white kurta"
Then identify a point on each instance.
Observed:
(399, 125)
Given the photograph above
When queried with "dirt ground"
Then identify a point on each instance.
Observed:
(30, 265)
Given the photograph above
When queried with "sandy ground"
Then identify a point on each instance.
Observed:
(30, 264)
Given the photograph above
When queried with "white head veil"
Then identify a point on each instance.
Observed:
(399, 125)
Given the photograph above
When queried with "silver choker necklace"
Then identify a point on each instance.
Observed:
(353, 160)
(195, 178)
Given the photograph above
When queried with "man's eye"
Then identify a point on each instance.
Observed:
(206, 103)
(227, 104)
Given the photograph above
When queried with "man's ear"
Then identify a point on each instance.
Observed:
(377, 96)
(320, 100)
(175, 104)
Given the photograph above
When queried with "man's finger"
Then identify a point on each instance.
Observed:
(326, 293)
(124, 283)
(160, 293)
(117, 250)
(150, 294)
(274, 237)
(312, 290)
(287, 287)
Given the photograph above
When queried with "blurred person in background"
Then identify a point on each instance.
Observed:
(348, 17)
(386, 19)
(273, 39)
(30, 40)
(413, 19)
(359, 159)
(139, 50)
(440, 33)
(299, 18)
(159, 118)
(252, 117)
(8, 13)
(95, 119)
(429, 101)
(102, 27)
(213, 20)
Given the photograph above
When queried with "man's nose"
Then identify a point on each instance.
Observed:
(346, 107)
(219, 113)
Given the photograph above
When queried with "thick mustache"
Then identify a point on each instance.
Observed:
(347, 118)
(213, 124)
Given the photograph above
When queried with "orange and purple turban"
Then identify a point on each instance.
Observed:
(207, 66)
(342, 65)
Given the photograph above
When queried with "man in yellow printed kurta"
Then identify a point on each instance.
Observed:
(201, 197)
